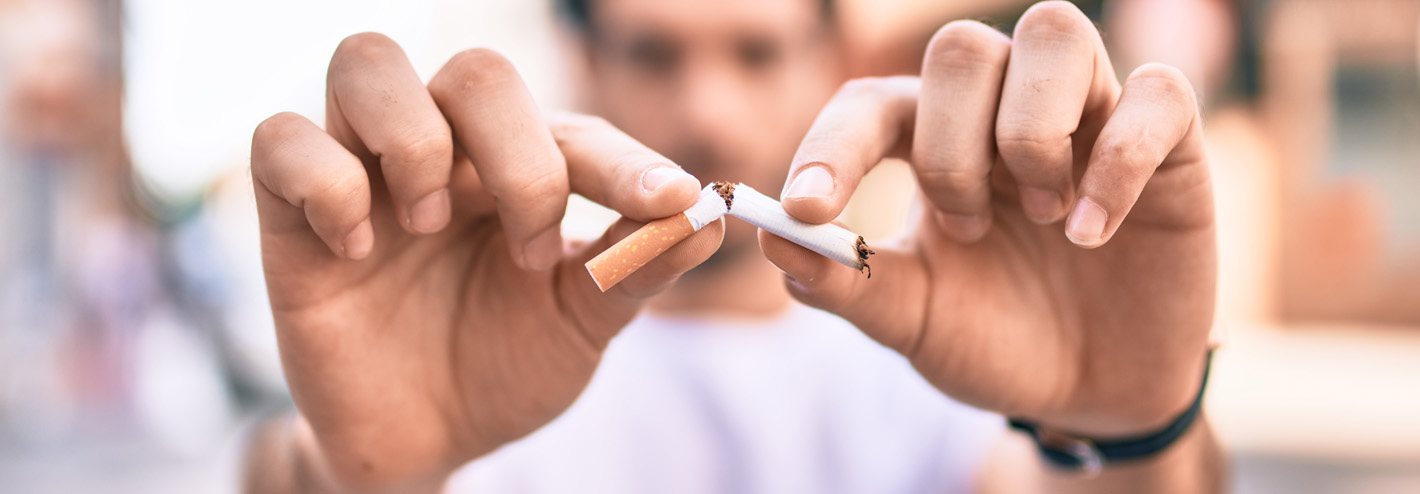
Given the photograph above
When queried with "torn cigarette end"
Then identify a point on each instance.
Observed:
(726, 191)
(631, 253)
(863, 253)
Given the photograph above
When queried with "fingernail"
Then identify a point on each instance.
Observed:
(543, 250)
(656, 177)
(1086, 225)
(360, 241)
(812, 181)
(964, 227)
(1042, 206)
(431, 213)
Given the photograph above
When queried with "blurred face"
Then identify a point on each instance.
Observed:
(726, 88)
(52, 74)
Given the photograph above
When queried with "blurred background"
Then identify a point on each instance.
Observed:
(136, 346)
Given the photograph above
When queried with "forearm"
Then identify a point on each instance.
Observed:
(1193, 464)
(282, 456)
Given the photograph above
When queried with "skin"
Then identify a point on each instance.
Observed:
(373, 291)
(480, 302)
(724, 94)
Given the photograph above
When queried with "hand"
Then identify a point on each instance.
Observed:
(1099, 329)
(427, 308)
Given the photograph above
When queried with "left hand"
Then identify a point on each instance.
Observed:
(1063, 267)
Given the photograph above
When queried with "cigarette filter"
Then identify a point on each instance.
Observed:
(629, 254)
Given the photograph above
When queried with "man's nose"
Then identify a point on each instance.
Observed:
(711, 105)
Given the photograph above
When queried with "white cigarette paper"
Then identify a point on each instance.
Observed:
(829, 240)
(710, 207)
(716, 200)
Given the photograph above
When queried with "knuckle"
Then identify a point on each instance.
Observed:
(364, 47)
(887, 87)
(1161, 73)
(1053, 20)
(275, 132)
(953, 178)
(967, 43)
(1128, 159)
(480, 61)
(541, 187)
(878, 92)
(427, 148)
(862, 88)
(1029, 140)
(1162, 81)
(337, 193)
(1115, 149)
(473, 69)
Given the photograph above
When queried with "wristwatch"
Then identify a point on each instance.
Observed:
(1089, 457)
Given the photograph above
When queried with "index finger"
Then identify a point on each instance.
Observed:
(865, 122)
(614, 170)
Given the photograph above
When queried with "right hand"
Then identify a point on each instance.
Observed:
(426, 306)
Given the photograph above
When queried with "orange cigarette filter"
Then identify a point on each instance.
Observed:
(628, 255)
(631, 253)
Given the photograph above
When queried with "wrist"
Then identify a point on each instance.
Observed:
(1143, 408)
(315, 469)
(1114, 426)
(1089, 452)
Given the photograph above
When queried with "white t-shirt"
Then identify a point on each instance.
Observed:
(804, 403)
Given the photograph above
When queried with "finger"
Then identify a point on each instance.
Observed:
(1057, 71)
(496, 121)
(601, 314)
(1155, 123)
(374, 91)
(888, 306)
(470, 198)
(614, 170)
(304, 177)
(953, 148)
(865, 122)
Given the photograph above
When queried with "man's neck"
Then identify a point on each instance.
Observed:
(748, 287)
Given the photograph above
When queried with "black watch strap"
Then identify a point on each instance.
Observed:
(1089, 456)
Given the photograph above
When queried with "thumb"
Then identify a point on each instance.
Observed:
(890, 306)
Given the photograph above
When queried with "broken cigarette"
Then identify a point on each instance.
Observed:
(628, 255)
(716, 200)
(829, 240)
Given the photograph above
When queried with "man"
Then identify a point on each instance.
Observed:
(430, 314)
